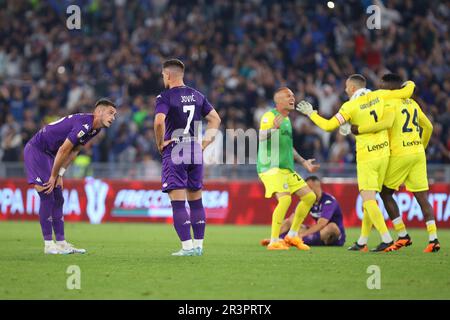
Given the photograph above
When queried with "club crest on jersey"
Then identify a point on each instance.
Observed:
(80, 134)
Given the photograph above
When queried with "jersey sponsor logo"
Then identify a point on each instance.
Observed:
(38, 180)
(411, 143)
(189, 98)
(80, 134)
(377, 147)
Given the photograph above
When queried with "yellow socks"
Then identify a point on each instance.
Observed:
(278, 216)
(432, 230)
(399, 227)
(366, 227)
(377, 218)
(302, 210)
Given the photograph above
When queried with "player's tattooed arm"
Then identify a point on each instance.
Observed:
(214, 120)
(61, 157)
(308, 164)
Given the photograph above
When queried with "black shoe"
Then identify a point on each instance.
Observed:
(382, 247)
(357, 247)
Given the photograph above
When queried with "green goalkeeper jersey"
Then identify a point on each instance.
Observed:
(277, 151)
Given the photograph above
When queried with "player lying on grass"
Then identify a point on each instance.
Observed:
(407, 162)
(329, 228)
(372, 149)
(47, 156)
(275, 166)
(178, 110)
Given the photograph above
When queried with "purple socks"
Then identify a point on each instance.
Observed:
(57, 214)
(45, 215)
(51, 214)
(198, 218)
(182, 221)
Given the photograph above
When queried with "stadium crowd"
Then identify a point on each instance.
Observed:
(236, 52)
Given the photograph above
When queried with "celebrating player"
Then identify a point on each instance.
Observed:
(47, 156)
(372, 149)
(407, 163)
(329, 228)
(177, 110)
(276, 155)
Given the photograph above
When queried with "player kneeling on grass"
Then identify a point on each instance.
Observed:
(47, 156)
(329, 228)
(275, 167)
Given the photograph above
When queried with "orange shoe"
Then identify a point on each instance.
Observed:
(400, 243)
(265, 242)
(279, 245)
(296, 242)
(433, 246)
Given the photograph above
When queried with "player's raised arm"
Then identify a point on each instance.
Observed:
(403, 93)
(214, 120)
(325, 124)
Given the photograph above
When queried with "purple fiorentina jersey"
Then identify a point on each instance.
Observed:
(75, 127)
(328, 208)
(182, 107)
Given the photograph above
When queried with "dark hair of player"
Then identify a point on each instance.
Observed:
(174, 63)
(312, 178)
(358, 79)
(392, 81)
(105, 102)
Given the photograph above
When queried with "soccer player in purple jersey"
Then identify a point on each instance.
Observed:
(178, 110)
(47, 156)
(329, 227)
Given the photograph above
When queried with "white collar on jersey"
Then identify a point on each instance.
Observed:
(360, 92)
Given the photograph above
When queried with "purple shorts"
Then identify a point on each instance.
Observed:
(38, 164)
(314, 240)
(175, 176)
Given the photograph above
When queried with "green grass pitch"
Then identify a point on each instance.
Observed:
(133, 261)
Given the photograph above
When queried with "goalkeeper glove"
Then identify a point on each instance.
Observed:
(345, 129)
(305, 107)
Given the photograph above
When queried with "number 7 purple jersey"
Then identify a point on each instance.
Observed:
(183, 106)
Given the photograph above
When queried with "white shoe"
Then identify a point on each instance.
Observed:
(53, 248)
(70, 248)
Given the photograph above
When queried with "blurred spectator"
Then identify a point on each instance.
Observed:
(236, 52)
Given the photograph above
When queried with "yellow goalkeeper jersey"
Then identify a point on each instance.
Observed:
(366, 110)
